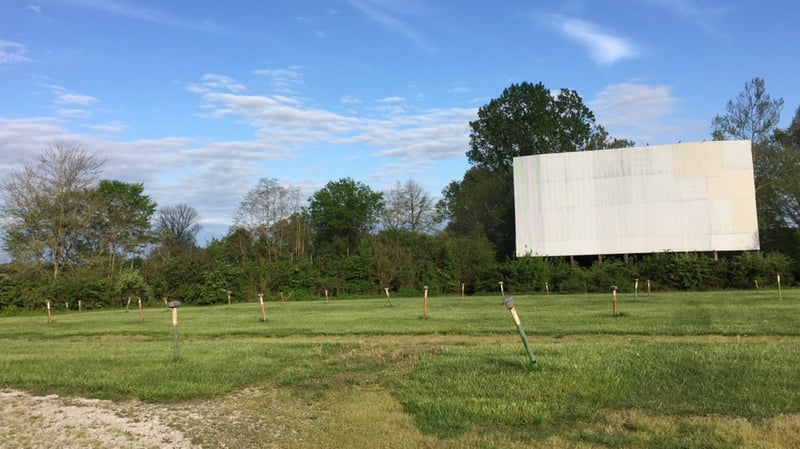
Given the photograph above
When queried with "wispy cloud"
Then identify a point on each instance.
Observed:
(603, 47)
(629, 104)
(73, 113)
(27, 137)
(76, 99)
(701, 15)
(215, 82)
(387, 15)
(137, 12)
(391, 100)
(284, 81)
(12, 52)
(213, 175)
(459, 88)
(350, 100)
(389, 106)
(312, 22)
(642, 113)
(287, 122)
(69, 105)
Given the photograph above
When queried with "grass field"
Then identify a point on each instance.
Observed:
(674, 370)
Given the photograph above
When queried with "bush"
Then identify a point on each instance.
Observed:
(527, 274)
(131, 284)
(611, 272)
(569, 278)
(747, 268)
(778, 263)
(680, 271)
(83, 286)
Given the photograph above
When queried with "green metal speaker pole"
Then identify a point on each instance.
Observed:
(509, 301)
(176, 355)
(388, 299)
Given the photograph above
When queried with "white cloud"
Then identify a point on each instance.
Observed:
(76, 100)
(424, 144)
(279, 116)
(12, 52)
(644, 114)
(22, 138)
(73, 113)
(212, 82)
(288, 123)
(284, 80)
(604, 48)
(394, 99)
(213, 175)
(631, 104)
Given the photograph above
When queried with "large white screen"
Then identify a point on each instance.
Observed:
(683, 197)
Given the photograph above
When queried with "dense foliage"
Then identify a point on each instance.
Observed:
(72, 238)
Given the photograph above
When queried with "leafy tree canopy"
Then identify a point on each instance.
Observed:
(529, 119)
(752, 116)
(343, 211)
(47, 206)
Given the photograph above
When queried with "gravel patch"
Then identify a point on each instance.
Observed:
(41, 422)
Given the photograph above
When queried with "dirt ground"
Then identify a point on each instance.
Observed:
(38, 422)
(265, 418)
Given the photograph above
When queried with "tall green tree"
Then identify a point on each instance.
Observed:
(527, 119)
(470, 258)
(788, 172)
(784, 234)
(391, 256)
(121, 225)
(342, 212)
(47, 206)
(473, 206)
(754, 116)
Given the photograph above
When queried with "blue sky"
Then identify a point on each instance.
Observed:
(199, 99)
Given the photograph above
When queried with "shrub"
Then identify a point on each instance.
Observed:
(528, 273)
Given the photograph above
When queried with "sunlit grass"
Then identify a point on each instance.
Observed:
(496, 388)
(673, 370)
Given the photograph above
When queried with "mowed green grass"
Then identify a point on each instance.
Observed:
(461, 374)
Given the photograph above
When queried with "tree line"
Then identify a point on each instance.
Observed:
(73, 236)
